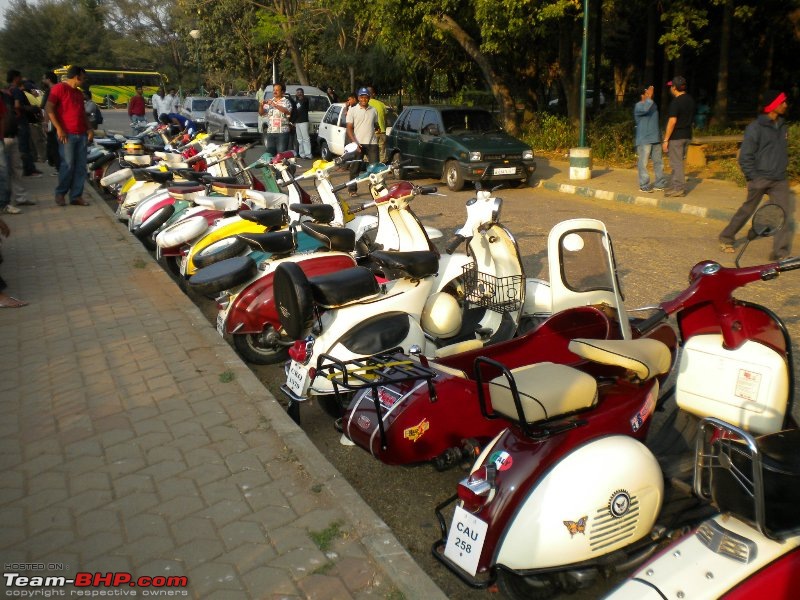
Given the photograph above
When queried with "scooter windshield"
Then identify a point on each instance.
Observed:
(584, 261)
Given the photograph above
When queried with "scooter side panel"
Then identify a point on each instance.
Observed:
(254, 307)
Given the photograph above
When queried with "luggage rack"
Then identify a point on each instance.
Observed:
(387, 368)
(500, 294)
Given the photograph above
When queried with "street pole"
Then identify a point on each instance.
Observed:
(195, 35)
(584, 52)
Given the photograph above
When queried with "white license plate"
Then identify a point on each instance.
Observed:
(221, 323)
(465, 540)
(297, 379)
(504, 171)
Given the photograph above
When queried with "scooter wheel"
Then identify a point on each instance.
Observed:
(220, 250)
(154, 221)
(257, 348)
(518, 587)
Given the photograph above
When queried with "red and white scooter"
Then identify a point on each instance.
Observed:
(561, 497)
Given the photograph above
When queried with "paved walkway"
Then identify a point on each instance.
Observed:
(133, 439)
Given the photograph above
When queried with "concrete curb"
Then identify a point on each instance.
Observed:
(387, 552)
(647, 201)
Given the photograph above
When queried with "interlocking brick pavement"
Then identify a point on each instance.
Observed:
(123, 450)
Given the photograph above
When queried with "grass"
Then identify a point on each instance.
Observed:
(139, 263)
(325, 538)
(227, 376)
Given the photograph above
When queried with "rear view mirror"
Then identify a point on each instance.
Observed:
(767, 221)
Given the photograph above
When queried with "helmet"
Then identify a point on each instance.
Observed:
(362, 92)
(441, 316)
(133, 147)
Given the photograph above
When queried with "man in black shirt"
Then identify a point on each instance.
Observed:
(301, 123)
(678, 134)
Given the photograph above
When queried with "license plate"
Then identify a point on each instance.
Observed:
(221, 323)
(504, 171)
(465, 540)
(297, 380)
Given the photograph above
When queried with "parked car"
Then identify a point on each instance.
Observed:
(233, 117)
(194, 108)
(318, 103)
(332, 135)
(459, 144)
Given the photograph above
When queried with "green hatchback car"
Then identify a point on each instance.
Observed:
(459, 144)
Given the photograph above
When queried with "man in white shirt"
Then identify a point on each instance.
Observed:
(157, 101)
(362, 123)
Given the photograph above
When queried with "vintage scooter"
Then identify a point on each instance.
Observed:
(403, 413)
(752, 548)
(438, 304)
(569, 493)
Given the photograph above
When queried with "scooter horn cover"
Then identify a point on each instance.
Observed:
(293, 300)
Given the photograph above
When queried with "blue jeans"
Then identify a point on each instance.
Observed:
(646, 152)
(277, 143)
(72, 171)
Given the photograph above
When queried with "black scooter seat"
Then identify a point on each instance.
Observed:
(268, 217)
(334, 238)
(150, 175)
(416, 264)
(341, 287)
(192, 175)
(223, 275)
(321, 213)
(109, 144)
(275, 242)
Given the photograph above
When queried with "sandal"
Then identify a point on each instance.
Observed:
(727, 248)
(11, 302)
(353, 194)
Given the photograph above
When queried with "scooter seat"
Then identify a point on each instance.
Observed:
(192, 175)
(265, 199)
(228, 186)
(274, 242)
(109, 143)
(184, 187)
(546, 390)
(152, 175)
(223, 275)
(334, 238)
(781, 476)
(321, 213)
(645, 357)
(268, 217)
(222, 203)
(342, 287)
(418, 264)
(138, 160)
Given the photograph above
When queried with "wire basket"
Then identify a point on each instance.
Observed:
(500, 294)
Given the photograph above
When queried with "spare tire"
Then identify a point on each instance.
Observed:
(293, 300)
(154, 221)
(223, 275)
(182, 231)
(227, 247)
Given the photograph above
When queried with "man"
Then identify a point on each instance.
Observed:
(136, 108)
(362, 123)
(678, 134)
(185, 124)
(380, 108)
(157, 101)
(764, 158)
(648, 141)
(13, 160)
(25, 115)
(301, 123)
(65, 110)
(48, 81)
(277, 111)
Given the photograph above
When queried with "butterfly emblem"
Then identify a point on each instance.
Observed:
(576, 527)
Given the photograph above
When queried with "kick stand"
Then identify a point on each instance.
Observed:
(293, 410)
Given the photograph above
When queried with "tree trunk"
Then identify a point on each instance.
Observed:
(294, 54)
(622, 79)
(650, 46)
(719, 116)
(501, 91)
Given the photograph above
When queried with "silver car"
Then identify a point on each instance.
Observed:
(233, 117)
(194, 108)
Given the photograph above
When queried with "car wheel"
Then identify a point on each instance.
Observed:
(397, 171)
(452, 176)
(324, 151)
(226, 135)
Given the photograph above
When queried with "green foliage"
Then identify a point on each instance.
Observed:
(794, 152)
(227, 376)
(480, 98)
(325, 538)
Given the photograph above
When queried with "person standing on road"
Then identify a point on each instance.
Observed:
(648, 142)
(678, 134)
(136, 108)
(25, 116)
(362, 123)
(380, 108)
(48, 81)
(65, 110)
(301, 123)
(277, 110)
(157, 102)
(764, 159)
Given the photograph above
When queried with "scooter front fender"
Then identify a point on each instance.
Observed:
(451, 266)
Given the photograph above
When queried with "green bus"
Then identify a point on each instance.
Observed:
(115, 87)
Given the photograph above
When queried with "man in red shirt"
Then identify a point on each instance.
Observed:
(65, 110)
(136, 108)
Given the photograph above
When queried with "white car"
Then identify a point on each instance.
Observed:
(332, 135)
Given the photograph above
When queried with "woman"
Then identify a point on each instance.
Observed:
(277, 111)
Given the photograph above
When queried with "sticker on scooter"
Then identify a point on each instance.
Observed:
(364, 422)
(645, 411)
(578, 526)
(501, 459)
(388, 398)
(417, 431)
(747, 384)
(619, 504)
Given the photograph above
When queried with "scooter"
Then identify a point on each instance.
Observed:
(570, 491)
(752, 548)
(439, 305)
(402, 406)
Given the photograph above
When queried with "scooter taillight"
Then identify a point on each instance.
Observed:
(298, 352)
(475, 490)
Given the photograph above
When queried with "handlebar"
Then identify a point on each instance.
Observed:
(454, 243)
(789, 264)
(363, 207)
(341, 186)
(647, 324)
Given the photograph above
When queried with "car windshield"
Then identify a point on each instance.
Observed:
(318, 103)
(459, 121)
(198, 105)
(234, 105)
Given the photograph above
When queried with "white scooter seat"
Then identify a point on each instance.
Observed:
(266, 199)
(458, 348)
(546, 390)
(223, 203)
(140, 160)
(645, 357)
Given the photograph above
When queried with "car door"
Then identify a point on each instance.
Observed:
(327, 126)
(432, 149)
(339, 132)
(408, 138)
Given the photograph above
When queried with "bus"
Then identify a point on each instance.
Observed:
(113, 88)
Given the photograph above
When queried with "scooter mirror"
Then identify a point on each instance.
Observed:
(767, 221)
(572, 242)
